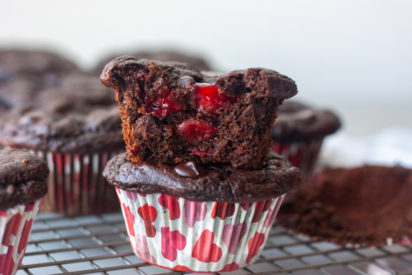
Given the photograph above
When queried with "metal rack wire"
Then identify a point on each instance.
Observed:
(99, 245)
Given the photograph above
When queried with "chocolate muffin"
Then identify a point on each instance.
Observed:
(76, 128)
(24, 73)
(22, 185)
(41, 63)
(22, 178)
(299, 131)
(172, 113)
(196, 62)
(366, 205)
(196, 218)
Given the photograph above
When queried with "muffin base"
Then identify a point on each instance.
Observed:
(15, 228)
(196, 236)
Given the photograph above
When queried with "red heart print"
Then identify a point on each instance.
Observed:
(270, 217)
(11, 228)
(254, 244)
(131, 195)
(182, 268)
(129, 219)
(149, 215)
(205, 250)
(232, 234)
(223, 210)
(260, 208)
(171, 242)
(29, 207)
(194, 212)
(24, 236)
(245, 206)
(7, 262)
(230, 267)
(172, 204)
(141, 247)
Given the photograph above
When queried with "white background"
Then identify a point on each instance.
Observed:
(353, 56)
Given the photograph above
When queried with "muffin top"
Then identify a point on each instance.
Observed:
(363, 205)
(22, 177)
(196, 62)
(297, 122)
(34, 62)
(204, 183)
(78, 116)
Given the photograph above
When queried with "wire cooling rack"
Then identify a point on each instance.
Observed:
(99, 245)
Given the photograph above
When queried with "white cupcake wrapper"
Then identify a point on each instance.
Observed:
(185, 235)
(15, 228)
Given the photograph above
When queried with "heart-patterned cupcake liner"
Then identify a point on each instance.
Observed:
(15, 228)
(303, 155)
(185, 235)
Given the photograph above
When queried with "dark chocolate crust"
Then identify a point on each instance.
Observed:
(200, 183)
(79, 116)
(196, 62)
(34, 62)
(300, 122)
(362, 206)
(22, 178)
(240, 125)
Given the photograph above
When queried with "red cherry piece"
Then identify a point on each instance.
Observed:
(197, 152)
(196, 129)
(172, 204)
(129, 219)
(162, 105)
(205, 250)
(254, 245)
(209, 99)
(25, 236)
(171, 242)
(223, 210)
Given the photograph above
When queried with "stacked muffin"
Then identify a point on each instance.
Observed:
(197, 188)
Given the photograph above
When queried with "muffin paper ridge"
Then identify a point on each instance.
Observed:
(15, 228)
(185, 235)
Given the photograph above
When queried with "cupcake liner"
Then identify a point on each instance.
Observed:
(303, 155)
(76, 185)
(185, 235)
(15, 227)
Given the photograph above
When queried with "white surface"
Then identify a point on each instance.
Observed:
(389, 147)
(354, 56)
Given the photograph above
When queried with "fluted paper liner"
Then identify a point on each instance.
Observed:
(15, 228)
(76, 185)
(185, 235)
